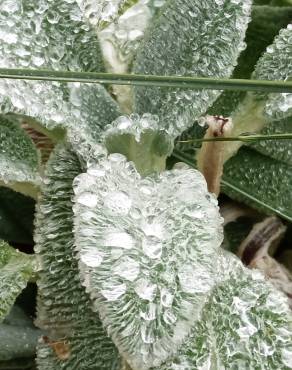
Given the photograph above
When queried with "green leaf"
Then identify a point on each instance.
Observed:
(146, 248)
(18, 339)
(275, 64)
(141, 141)
(261, 175)
(246, 323)
(259, 181)
(265, 25)
(19, 159)
(211, 38)
(16, 217)
(51, 36)
(16, 269)
(64, 309)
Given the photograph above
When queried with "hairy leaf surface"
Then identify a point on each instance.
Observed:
(16, 269)
(43, 34)
(64, 309)
(276, 64)
(19, 159)
(246, 324)
(145, 250)
(189, 39)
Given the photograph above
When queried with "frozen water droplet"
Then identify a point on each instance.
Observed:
(114, 292)
(118, 203)
(118, 238)
(145, 289)
(91, 257)
(127, 268)
(147, 333)
(152, 247)
(169, 317)
(87, 199)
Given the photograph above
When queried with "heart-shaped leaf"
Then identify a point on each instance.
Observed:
(19, 159)
(64, 309)
(16, 269)
(205, 48)
(146, 247)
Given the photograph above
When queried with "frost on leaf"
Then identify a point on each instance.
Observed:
(16, 269)
(19, 159)
(51, 35)
(141, 140)
(146, 250)
(276, 64)
(245, 324)
(211, 38)
(64, 309)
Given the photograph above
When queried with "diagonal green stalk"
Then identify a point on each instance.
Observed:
(149, 80)
(225, 184)
(246, 138)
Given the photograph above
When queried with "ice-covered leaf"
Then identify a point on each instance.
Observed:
(42, 34)
(19, 159)
(146, 247)
(141, 140)
(266, 23)
(64, 309)
(18, 337)
(195, 38)
(16, 269)
(276, 64)
(245, 324)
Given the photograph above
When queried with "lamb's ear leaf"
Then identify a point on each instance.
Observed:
(259, 312)
(64, 310)
(242, 299)
(16, 269)
(276, 64)
(210, 40)
(19, 158)
(261, 175)
(140, 139)
(60, 41)
(142, 276)
(265, 25)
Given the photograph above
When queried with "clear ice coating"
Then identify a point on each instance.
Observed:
(52, 35)
(99, 11)
(121, 38)
(134, 125)
(147, 248)
(140, 139)
(64, 308)
(16, 269)
(246, 324)
(276, 64)
(211, 35)
(19, 160)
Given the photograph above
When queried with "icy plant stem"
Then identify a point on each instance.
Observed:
(210, 158)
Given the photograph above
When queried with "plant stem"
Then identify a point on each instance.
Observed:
(244, 138)
(149, 80)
